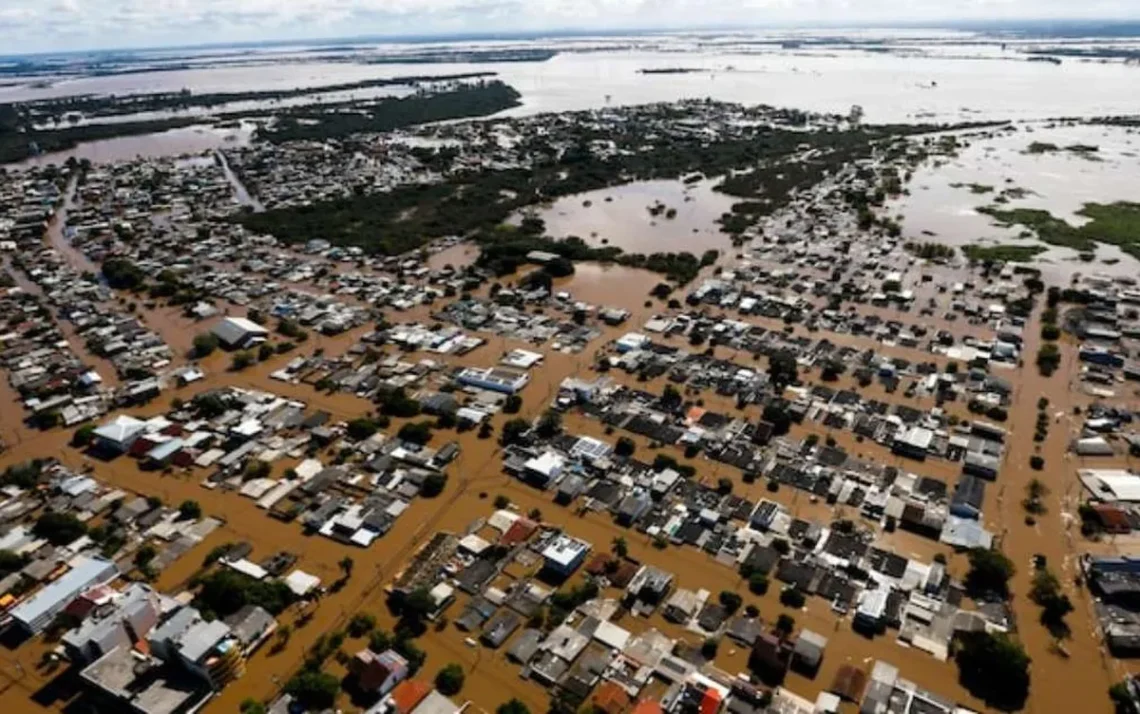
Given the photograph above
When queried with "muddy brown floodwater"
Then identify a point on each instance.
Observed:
(1078, 683)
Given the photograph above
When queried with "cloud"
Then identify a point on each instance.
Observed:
(36, 25)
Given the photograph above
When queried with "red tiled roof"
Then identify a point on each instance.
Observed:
(611, 698)
(520, 531)
(407, 694)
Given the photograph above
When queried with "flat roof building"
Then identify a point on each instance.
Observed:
(495, 379)
(37, 612)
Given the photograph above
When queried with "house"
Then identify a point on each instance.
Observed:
(682, 606)
(238, 333)
(870, 616)
(807, 654)
(914, 443)
(969, 494)
(544, 469)
(378, 673)
(499, 628)
(564, 555)
(525, 646)
(648, 588)
(118, 435)
(770, 657)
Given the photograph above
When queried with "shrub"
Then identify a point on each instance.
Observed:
(793, 598)
(758, 583)
(1036, 463)
(449, 680)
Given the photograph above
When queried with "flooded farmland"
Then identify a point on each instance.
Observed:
(1007, 172)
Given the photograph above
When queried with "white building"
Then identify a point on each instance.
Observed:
(239, 333)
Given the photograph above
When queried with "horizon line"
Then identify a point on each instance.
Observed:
(1023, 26)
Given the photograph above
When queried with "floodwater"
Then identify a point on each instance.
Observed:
(476, 478)
(921, 79)
(943, 197)
(175, 142)
(622, 217)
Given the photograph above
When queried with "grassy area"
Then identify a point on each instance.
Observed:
(1005, 253)
(1116, 223)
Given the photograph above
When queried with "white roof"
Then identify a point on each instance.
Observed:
(251, 569)
(612, 636)
(563, 550)
(1124, 485)
(548, 464)
(474, 544)
(502, 520)
(120, 428)
(232, 330)
(301, 583)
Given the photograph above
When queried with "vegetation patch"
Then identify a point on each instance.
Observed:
(1004, 253)
(1115, 223)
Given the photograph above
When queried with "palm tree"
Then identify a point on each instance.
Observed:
(619, 547)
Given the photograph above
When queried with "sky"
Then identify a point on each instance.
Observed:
(62, 25)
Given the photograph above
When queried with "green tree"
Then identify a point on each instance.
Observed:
(145, 555)
(994, 668)
(513, 404)
(989, 573)
(314, 690)
(361, 429)
(59, 528)
(361, 624)
(415, 432)
(619, 547)
(449, 679)
(513, 706)
(433, 485)
(782, 369)
(785, 624)
(241, 360)
(189, 510)
(758, 583)
(346, 565)
(513, 431)
(83, 436)
(205, 344)
(730, 601)
(549, 424)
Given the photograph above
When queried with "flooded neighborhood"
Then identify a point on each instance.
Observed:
(634, 375)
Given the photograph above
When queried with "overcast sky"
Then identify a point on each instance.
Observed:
(52, 25)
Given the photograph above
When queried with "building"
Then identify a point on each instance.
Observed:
(238, 333)
(915, 443)
(113, 619)
(564, 555)
(118, 435)
(378, 673)
(37, 612)
(495, 379)
(870, 616)
(969, 494)
(544, 469)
